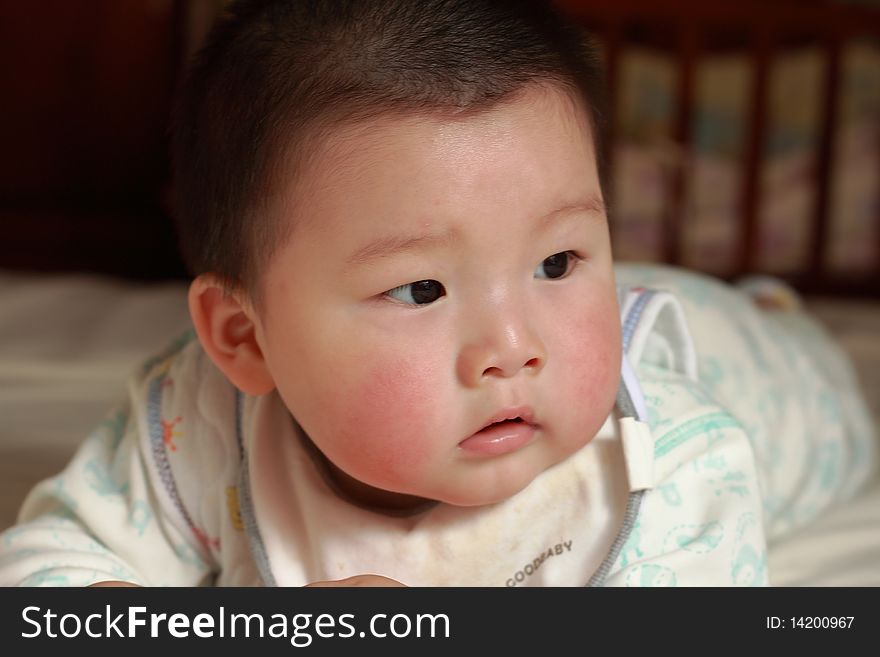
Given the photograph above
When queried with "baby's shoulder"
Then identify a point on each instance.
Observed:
(701, 522)
(188, 411)
(188, 415)
(686, 420)
(701, 447)
(182, 378)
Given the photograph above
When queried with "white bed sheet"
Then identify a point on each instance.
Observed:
(68, 343)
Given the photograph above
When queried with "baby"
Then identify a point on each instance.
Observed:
(412, 361)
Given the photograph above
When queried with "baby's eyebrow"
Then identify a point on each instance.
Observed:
(593, 206)
(386, 246)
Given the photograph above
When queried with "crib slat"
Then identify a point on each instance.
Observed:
(830, 102)
(751, 194)
(675, 215)
(611, 38)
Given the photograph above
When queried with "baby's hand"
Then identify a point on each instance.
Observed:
(111, 583)
(359, 580)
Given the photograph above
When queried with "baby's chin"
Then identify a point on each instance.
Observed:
(502, 483)
(474, 484)
(486, 495)
(483, 500)
(419, 497)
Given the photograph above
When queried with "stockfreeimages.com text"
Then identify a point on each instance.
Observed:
(300, 629)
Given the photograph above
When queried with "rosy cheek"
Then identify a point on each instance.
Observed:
(597, 357)
(385, 427)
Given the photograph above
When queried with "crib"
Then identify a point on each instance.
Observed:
(744, 136)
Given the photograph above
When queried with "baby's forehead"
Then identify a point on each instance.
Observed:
(404, 170)
(337, 142)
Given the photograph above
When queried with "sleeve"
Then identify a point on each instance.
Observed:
(102, 518)
(702, 522)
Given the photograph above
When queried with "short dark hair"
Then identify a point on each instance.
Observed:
(272, 71)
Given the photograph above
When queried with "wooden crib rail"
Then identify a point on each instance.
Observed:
(691, 28)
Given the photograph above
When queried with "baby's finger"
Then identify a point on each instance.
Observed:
(358, 580)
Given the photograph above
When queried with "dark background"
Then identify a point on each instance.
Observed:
(84, 172)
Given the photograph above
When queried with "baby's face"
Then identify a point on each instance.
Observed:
(441, 272)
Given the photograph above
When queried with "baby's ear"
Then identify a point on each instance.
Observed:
(226, 329)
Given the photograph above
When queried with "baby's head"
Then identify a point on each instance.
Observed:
(394, 213)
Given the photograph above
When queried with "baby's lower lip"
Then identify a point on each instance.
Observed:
(498, 439)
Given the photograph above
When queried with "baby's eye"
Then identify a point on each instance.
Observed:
(557, 265)
(419, 293)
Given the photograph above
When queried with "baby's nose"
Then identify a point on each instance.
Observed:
(506, 352)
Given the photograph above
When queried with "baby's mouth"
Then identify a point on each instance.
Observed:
(506, 430)
(516, 420)
(499, 437)
(511, 415)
